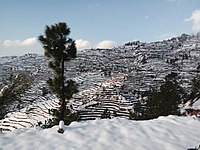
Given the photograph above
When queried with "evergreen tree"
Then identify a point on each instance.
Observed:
(170, 97)
(59, 48)
(138, 113)
(153, 105)
(165, 101)
(195, 86)
(106, 114)
(12, 90)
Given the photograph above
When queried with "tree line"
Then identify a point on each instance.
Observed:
(165, 100)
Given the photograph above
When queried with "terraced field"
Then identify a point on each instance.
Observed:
(109, 80)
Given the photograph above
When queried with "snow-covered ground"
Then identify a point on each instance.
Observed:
(135, 67)
(164, 133)
(196, 104)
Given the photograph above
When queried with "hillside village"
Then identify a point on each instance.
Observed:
(111, 80)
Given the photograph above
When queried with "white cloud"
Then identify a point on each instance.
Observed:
(29, 41)
(82, 44)
(195, 18)
(106, 44)
(165, 36)
(26, 42)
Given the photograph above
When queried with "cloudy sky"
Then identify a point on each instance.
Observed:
(95, 23)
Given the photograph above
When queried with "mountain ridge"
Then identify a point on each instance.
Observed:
(113, 79)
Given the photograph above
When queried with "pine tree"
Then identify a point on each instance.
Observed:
(138, 113)
(195, 86)
(164, 101)
(12, 90)
(170, 98)
(153, 105)
(106, 114)
(59, 48)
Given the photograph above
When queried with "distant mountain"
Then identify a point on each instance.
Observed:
(109, 79)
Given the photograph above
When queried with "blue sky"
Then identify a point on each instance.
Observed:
(95, 23)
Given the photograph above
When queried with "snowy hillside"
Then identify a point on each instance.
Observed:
(108, 79)
(164, 133)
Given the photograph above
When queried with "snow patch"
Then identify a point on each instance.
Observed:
(166, 133)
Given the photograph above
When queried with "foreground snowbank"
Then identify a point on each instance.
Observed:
(164, 133)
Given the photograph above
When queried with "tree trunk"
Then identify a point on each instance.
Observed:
(63, 92)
